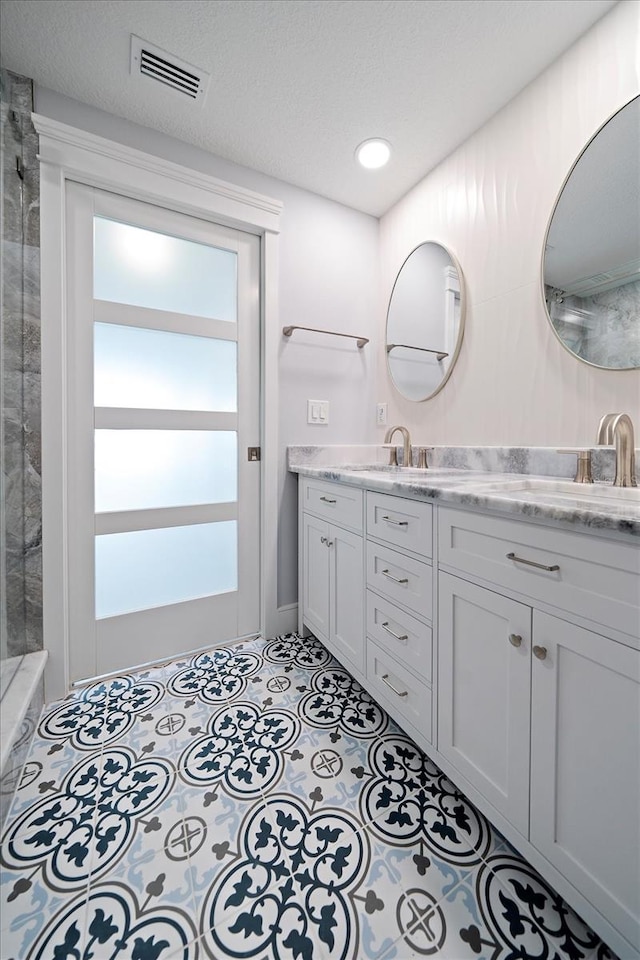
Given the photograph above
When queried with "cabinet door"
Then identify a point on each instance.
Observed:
(484, 673)
(347, 595)
(585, 766)
(315, 575)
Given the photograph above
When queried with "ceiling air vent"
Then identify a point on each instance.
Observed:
(156, 64)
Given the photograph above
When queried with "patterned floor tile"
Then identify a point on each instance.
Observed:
(450, 928)
(407, 800)
(45, 768)
(26, 907)
(243, 747)
(526, 900)
(216, 677)
(305, 653)
(113, 922)
(340, 705)
(255, 802)
(168, 728)
(101, 714)
(160, 874)
(212, 834)
(325, 766)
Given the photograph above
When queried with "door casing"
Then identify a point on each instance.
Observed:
(68, 154)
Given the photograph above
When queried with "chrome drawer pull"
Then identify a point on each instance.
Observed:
(532, 563)
(515, 640)
(397, 523)
(391, 687)
(385, 573)
(385, 626)
(328, 500)
(540, 653)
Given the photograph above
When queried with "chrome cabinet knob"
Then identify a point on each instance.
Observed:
(515, 639)
(540, 653)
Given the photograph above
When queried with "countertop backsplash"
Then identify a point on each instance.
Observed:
(537, 461)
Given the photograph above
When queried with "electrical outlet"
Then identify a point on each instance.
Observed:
(381, 414)
(318, 411)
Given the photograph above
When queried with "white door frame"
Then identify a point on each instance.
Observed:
(67, 153)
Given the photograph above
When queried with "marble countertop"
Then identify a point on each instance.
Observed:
(471, 488)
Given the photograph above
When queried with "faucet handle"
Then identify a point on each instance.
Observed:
(422, 457)
(583, 465)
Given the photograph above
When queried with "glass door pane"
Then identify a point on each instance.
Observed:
(168, 466)
(136, 367)
(151, 568)
(145, 469)
(150, 269)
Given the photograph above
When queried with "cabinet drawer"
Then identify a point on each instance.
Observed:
(335, 502)
(405, 696)
(403, 523)
(400, 578)
(396, 631)
(595, 578)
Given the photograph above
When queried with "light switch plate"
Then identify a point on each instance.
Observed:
(318, 411)
(381, 414)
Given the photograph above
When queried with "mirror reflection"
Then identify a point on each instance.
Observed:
(425, 321)
(591, 268)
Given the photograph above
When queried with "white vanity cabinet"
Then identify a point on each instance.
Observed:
(540, 714)
(400, 609)
(510, 651)
(332, 569)
(585, 766)
(484, 683)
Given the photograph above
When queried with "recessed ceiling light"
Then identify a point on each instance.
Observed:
(373, 153)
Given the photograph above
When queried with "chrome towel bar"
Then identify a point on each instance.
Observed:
(287, 331)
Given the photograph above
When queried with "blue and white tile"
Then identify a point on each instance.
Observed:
(215, 824)
(160, 870)
(244, 748)
(449, 927)
(113, 922)
(102, 713)
(525, 899)
(408, 800)
(26, 903)
(322, 765)
(336, 702)
(169, 728)
(46, 767)
(273, 810)
(216, 677)
(290, 649)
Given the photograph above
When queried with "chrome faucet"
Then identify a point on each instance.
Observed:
(617, 428)
(406, 447)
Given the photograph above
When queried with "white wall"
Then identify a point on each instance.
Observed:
(328, 258)
(490, 203)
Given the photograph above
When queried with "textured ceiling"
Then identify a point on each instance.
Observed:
(297, 84)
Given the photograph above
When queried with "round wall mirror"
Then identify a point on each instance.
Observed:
(591, 263)
(425, 321)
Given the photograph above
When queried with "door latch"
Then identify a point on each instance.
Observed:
(253, 454)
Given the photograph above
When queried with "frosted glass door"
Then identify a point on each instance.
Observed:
(163, 312)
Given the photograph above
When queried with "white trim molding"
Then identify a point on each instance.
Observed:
(109, 165)
(69, 154)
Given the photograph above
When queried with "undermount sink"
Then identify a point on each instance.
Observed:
(533, 487)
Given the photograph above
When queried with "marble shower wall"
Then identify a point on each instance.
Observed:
(604, 328)
(21, 505)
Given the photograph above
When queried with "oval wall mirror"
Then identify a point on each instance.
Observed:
(425, 321)
(591, 261)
